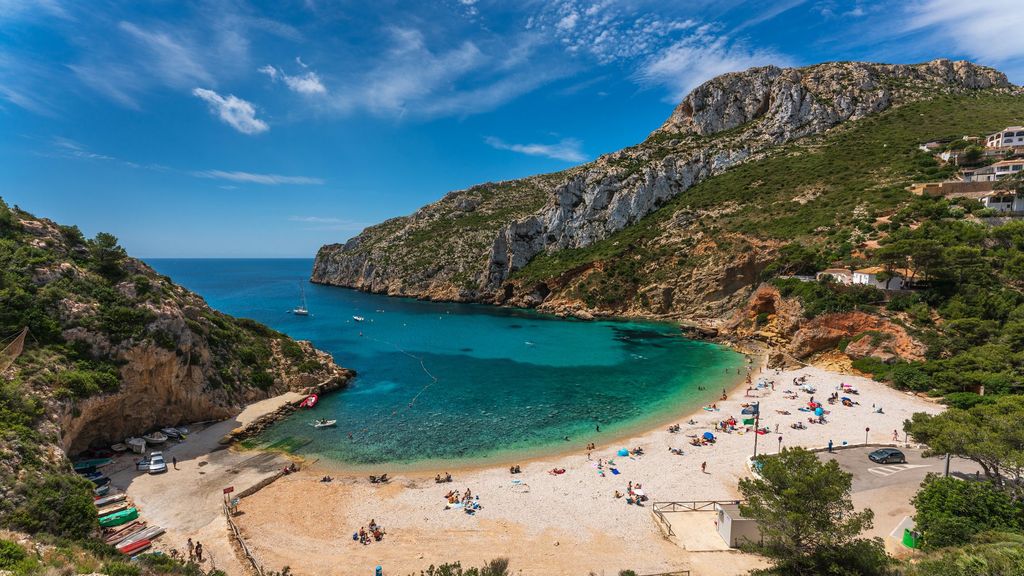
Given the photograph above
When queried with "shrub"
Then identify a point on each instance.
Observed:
(57, 504)
(950, 511)
(121, 569)
(262, 380)
(10, 554)
(291, 349)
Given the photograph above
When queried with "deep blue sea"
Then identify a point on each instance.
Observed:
(442, 382)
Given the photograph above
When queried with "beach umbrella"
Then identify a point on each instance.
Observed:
(709, 436)
(819, 411)
(623, 452)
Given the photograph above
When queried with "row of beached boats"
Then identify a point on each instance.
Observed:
(137, 444)
(122, 528)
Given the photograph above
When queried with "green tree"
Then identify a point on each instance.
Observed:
(992, 554)
(971, 155)
(808, 523)
(951, 511)
(58, 504)
(988, 433)
(107, 255)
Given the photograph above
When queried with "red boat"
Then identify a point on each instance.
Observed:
(134, 547)
(309, 401)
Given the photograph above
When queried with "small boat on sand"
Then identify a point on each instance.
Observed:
(134, 547)
(171, 433)
(324, 423)
(94, 463)
(119, 447)
(101, 490)
(155, 438)
(119, 518)
(137, 445)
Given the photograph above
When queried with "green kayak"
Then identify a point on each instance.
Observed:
(118, 518)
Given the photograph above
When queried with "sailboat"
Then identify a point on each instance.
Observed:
(301, 309)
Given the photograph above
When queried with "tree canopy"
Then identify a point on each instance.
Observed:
(807, 519)
(989, 433)
(951, 511)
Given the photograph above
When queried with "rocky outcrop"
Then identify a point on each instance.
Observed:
(780, 322)
(466, 246)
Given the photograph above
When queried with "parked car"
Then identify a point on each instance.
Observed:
(888, 456)
(142, 465)
(156, 463)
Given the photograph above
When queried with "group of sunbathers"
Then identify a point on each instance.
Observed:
(442, 479)
(631, 495)
(514, 469)
(376, 531)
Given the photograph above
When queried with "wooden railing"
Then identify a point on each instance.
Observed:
(256, 565)
(661, 508)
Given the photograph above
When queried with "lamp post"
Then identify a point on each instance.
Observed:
(866, 430)
(780, 444)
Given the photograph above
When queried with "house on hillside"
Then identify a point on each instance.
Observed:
(869, 277)
(1003, 201)
(1008, 168)
(839, 275)
(983, 174)
(1009, 136)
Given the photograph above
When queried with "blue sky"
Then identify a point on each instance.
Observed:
(238, 129)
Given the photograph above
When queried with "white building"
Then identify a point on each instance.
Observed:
(984, 174)
(869, 277)
(736, 529)
(1007, 168)
(1003, 201)
(1009, 136)
(840, 275)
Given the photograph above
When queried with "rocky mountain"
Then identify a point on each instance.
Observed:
(632, 232)
(114, 349)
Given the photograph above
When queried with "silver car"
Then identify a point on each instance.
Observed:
(156, 463)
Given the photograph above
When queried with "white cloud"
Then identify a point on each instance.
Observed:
(234, 111)
(308, 83)
(253, 178)
(567, 149)
(693, 60)
(990, 31)
(171, 59)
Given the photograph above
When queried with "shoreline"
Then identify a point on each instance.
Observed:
(674, 414)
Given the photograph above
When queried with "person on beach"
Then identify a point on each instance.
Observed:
(895, 436)
(199, 552)
(191, 550)
(598, 427)
(174, 462)
(704, 467)
(829, 445)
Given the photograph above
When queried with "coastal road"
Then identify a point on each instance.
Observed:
(888, 488)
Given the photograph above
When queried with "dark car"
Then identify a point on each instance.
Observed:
(888, 456)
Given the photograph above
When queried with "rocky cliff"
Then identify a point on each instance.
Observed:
(114, 350)
(480, 243)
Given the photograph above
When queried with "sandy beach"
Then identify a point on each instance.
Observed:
(569, 523)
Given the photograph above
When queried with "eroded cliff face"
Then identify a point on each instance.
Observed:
(117, 350)
(466, 246)
(780, 323)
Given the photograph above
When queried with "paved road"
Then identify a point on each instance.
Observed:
(868, 475)
(888, 488)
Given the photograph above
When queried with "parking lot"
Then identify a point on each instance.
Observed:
(888, 488)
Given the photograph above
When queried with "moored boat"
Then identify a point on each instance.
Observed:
(171, 433)
(324, 423)
(358, 318)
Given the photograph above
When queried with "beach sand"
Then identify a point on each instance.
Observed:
(560, 524)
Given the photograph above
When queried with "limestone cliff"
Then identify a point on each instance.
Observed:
(115, 350)
(474, 243)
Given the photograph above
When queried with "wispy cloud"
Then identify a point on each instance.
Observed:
(695, 59)
(305, 83)
(324, 223)
(567, 149)
(233, 111)
(254, 178)
(990, 30)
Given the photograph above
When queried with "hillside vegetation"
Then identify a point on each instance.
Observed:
(104, 330)
(822, 192)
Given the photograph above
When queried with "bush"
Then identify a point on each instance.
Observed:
(57, 504)
(10, 554)
(964, 400)
(291, 349)
(124, 322)
(86, 383)
(950, 511)
(262, 380)
(121, 569)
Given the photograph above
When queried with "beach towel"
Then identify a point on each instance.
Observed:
(615, 471)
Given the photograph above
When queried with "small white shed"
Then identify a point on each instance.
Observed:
(734, 528)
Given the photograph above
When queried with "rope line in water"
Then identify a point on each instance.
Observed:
(423, 366)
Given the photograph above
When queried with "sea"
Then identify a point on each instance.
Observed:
(446, 384)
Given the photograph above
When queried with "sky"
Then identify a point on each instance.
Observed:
(227, 128)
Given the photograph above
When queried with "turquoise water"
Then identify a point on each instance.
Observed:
(442, 381)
